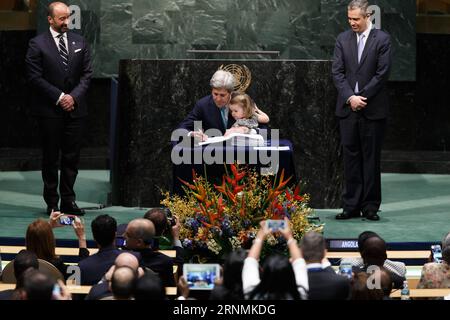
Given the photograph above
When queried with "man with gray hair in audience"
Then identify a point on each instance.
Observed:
(139, 235)
(324, 283)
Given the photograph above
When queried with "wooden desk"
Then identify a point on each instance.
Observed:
(71, 251)
(170, 291)
(413, 254)
(423, 293)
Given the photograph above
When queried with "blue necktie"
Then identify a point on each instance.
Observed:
(360, 51)
(360, 46)
(223, 112)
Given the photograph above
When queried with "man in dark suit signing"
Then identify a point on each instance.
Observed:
(361, 65)
(212, 111)
(59, 71)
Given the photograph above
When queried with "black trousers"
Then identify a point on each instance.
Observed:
(60, 137)
(361, 140)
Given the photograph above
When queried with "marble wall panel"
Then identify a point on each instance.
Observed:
(165, 29)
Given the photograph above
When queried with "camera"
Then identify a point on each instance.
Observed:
(171, 220)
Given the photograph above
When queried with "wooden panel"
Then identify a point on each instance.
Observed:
(71, 251)
(170, 291)
(423, 293)
(420, 254)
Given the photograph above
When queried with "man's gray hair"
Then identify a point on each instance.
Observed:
(313, 246)
(359, 4)
(222, 79)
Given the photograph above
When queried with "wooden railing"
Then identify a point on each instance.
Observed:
(61, 251)
(170, 291)
(423, 293)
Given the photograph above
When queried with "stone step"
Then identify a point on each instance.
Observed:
(431, 162)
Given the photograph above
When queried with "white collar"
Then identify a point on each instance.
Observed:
(366, 33)
(314, 266)
(56, 34)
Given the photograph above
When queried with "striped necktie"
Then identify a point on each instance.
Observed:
(63, 51)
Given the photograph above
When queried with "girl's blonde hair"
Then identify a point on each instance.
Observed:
(245, 102)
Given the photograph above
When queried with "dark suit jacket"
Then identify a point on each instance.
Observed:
(205, 110)
(48, 78)
(159, 263)
(371, 73)
(94, 267)
(327, 285)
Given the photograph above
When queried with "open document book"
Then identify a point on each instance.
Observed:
(238, 139)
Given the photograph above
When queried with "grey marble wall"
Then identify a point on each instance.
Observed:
(166, 29)
(155, 95)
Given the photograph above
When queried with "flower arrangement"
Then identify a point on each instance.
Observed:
(216, 219)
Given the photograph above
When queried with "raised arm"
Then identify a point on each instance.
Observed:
(262, 116)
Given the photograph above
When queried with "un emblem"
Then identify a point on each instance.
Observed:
(241, 74)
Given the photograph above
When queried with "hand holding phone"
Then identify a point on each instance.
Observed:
(66, 220)
(346, 270)
(201, 276)
(436, 250)
(276, 225)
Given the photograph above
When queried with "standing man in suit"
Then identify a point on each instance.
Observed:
(212, 110)
(361, 65)
(59, 71)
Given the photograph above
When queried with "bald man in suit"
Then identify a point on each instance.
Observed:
(59, 72)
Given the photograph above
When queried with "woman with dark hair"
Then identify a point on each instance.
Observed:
(41, 240)
(279, 279)
(230, 287)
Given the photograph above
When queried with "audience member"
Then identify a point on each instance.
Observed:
(361, 291)
(23, 261)
(437, 275)
(166, 226)
(396, 267)
(102, 289)
(41, 240)
(230, 286)
(149, 287)
(374, 254)
(92, 269)
(38, 285)
(123, 283)
(386, 283)
(138, 236)
(279, 279)
(324, 283)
